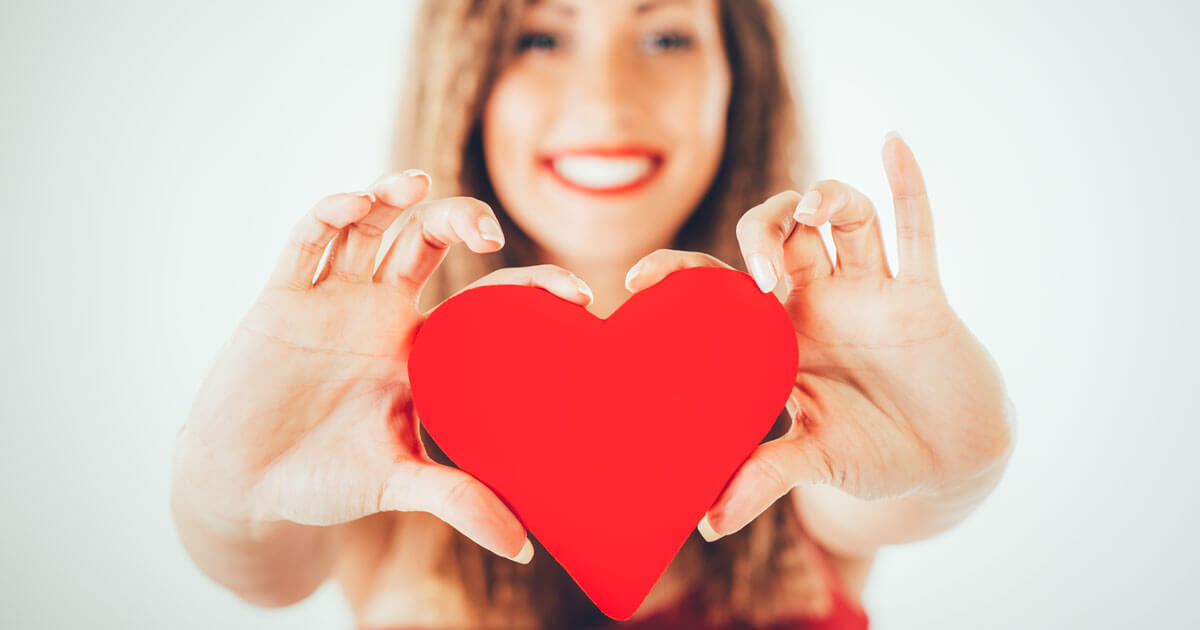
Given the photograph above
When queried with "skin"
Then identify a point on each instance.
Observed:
(304, 424)
(607, 74)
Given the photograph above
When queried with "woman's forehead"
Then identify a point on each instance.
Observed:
(571, 7)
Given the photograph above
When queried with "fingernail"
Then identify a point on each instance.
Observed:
(416, 172)
(365, 194)
(490, 230)
(526, 553)
(808, 204)
(583, 288)
(706, 531)
(633, 271)
(891, 134)
(760, 268)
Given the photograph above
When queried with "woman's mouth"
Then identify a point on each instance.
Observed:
(604, 171)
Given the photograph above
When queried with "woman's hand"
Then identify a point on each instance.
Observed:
(893, 396)
(306, 416)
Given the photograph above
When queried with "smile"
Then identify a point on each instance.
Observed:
(604, 171)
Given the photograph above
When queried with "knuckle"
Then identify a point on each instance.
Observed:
(767, 469)
(456, 495)
(863, 218)
(918, 196)
(367, 229)
(788, 197)
(308, 246)
(912, 232)
(748, 226)
(465, 205)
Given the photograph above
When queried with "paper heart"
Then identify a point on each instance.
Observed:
(608, 438)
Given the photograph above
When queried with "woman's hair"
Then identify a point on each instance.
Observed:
(459, 48)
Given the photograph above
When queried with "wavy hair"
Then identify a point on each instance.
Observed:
(459, 48)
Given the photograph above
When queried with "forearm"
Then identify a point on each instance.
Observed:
(271, 565)
(851, 526)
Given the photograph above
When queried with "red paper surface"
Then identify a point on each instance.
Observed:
(608, 438)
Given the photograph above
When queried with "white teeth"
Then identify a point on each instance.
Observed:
(592, 171)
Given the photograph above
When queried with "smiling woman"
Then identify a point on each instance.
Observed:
(590, 149)
(598, 132)
(606, 111)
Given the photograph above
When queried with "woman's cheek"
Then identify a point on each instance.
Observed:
(512, 117)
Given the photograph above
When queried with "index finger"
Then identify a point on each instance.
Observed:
(773, 244)
(428, 232)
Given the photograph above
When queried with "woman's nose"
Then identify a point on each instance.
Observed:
(608, 81)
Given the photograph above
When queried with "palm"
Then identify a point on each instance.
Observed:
(329, 430)
(868, 348)
(351, 405)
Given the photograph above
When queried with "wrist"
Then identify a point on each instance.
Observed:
(207, 493)
(964, 493)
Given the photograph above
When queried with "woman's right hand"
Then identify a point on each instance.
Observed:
(306, 415)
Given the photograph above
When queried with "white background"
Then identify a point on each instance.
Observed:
(155, 154)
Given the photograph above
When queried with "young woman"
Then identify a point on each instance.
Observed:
(590, 149)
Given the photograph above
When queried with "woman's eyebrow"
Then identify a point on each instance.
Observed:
(558, 6)
(650, 5)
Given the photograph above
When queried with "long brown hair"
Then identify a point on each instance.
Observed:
(459, 48)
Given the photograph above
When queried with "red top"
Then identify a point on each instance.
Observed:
(846, 613)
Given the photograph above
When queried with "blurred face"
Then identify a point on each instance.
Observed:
(607, 128)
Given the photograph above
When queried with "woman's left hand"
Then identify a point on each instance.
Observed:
(893, 395)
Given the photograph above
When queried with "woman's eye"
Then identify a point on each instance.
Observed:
(543, 41)
(667, 41)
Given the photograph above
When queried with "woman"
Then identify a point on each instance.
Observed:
(588, 148)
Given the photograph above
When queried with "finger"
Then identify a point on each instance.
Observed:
(761, 232)
(428, 232)
(854, 225)
(297, 265)
(764, 233)
(459, 500)
(352, 257)
(767, 474)
(552, 278)
(659, 263)
(914, 219)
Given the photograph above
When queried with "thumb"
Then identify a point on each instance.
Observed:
(771, 470)
(461, 501)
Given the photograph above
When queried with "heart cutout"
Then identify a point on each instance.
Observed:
(608, 438)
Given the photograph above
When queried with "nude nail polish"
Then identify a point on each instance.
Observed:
(526, 553)
(760, 269)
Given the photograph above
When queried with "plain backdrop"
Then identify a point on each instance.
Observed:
(155, 155)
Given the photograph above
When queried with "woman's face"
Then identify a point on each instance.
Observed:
(607, 128)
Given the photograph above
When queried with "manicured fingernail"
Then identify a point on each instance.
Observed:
(416, 172)
(490, 230)
(760, 268)
(706, 531)
(633, 272)
(365, 194)
(891, 134)
(583, 288)
(526, 553)
(808, 205)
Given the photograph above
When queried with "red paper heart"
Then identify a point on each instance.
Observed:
(608, 438)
